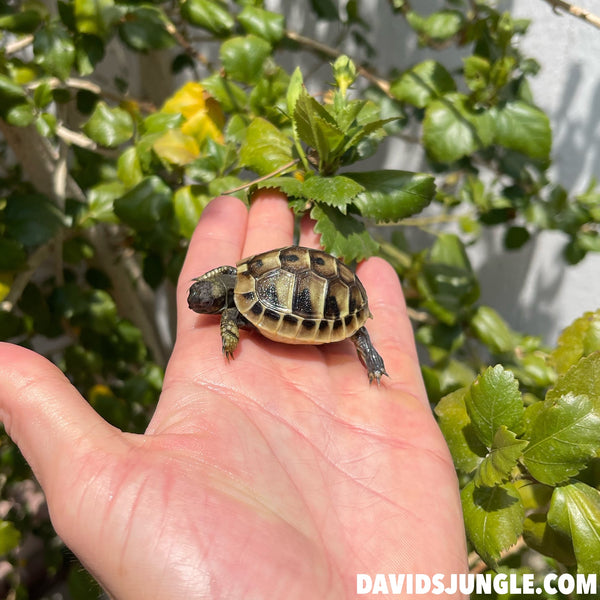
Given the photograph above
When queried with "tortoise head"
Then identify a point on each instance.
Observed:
(208, 296)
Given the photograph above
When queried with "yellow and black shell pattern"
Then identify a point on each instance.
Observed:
(300, 296)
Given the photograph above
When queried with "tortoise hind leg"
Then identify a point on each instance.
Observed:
(370, 357)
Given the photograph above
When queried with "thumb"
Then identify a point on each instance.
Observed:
(45, 415)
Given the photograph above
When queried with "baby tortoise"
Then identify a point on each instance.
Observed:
(293, 295)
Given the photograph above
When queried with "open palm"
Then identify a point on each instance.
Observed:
(280, 474)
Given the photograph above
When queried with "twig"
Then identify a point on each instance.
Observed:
(381, 83)
(263, 178)
(576, 11)
(17, 45)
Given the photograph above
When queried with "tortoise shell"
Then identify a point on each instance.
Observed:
(300, 296)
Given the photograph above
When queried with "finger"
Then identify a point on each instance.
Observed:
(270, 223)
(308, 236)
(390, 329)
(217, 240)
(46, 417)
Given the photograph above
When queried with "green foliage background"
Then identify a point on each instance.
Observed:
(100, 191)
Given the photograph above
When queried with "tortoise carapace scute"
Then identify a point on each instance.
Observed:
(293, 295)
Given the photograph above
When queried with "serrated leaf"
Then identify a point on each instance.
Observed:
(316, 127)
(145, 205)
(524, 128)
(494, 400)
(54, 50)
(391, 195)
(582, 378)
(501, 460)
(342, 235)
(422, 83)
(493, 518)
(295, 87)
(210, 15)
(244, 58)
(263, 23)
(265, 148)
(578, 339)
(466, 449)
(109, 127)
(574, 511)
(452, 130)
(564, 436)
(336, 191)
(290, 186)
(32, 219)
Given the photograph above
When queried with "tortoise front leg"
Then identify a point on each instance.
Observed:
(369, 355)
(231, 321)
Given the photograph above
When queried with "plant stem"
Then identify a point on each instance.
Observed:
(576, 11)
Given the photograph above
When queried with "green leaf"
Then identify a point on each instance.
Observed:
(265, 148)
(54, 50)
(146, 205)
(244, 58)
(325, 9)
(15, 107)
(442, 25)
(516, 237)
(564, 436)
(336, 191)
(25, 21)
(466, 449)
(109, 127)
(502, 459)
(452, 129)
(95, 17)
(546, 540)
(392, 195)
(129, 169)
(290, 186)
(10, 537)
(144, 28)
(263, 23)
(446, 280)
(493, 330)
(494, 400)
(32, 219)
(188, 207)
(101, 200)
(422, 83)
(210, 15)
(574, 511)
(12, 255)
(578, 339)
(493, 518)
(524, 128)
(230, 96)
(342, 235)
(316, 127)
(582, 378)
(294, 91)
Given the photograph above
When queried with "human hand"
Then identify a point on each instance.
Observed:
(280, 474)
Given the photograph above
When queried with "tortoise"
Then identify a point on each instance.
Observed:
(293, 295)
